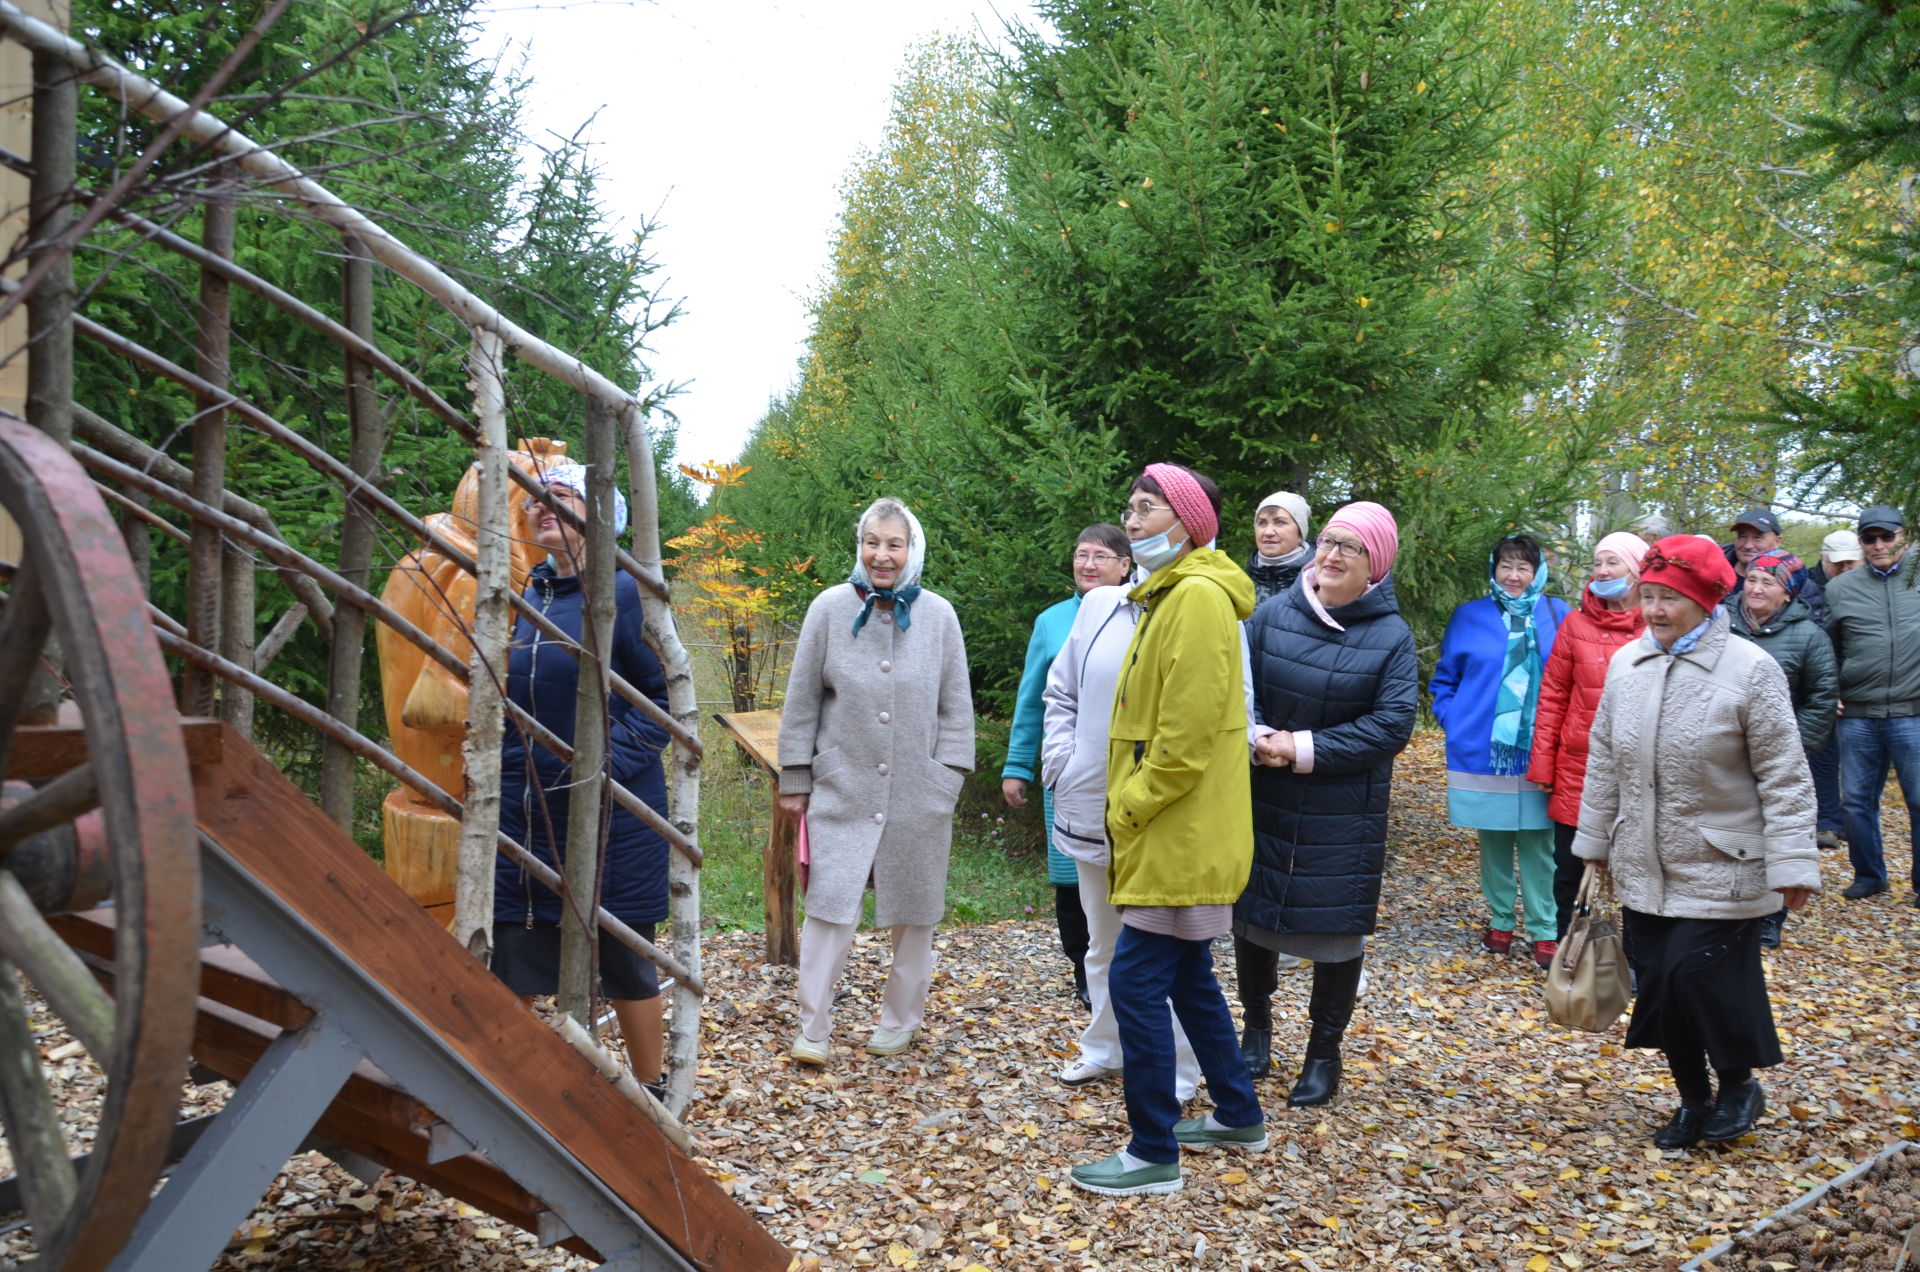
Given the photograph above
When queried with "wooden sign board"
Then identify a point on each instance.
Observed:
(758, 733)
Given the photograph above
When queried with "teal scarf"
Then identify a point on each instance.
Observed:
(1520, 673)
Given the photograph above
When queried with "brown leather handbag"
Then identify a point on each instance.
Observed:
(1587, 985)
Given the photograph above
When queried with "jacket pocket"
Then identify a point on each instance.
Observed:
(828, 762)
(945, 780)
(1747, 850)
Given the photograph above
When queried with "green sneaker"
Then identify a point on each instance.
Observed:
(1194, 1134)
(1113, 1179)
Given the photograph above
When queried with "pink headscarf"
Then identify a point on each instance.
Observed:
(1188, 501)
(1379, 534)
(1630, 546)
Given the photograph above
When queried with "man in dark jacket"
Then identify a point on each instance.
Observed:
(1874, 621)
(1757, 530)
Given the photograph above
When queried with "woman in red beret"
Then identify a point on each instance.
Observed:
(1699, 802)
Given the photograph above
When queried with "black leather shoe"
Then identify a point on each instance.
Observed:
(1860, 889)
(1682, 1129)
(1319, 1079)
(1770, 931)
(1735, 1113)
(1256, 1048)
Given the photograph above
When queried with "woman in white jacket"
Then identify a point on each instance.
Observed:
(1073, 765)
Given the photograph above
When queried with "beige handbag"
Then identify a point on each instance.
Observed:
(1587, 981)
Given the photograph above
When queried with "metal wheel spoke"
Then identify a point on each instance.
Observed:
(48, 1184)
(56, 803)
(25, 623)
(54, 970)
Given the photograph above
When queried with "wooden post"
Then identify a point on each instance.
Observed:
(586, 799)
(758, 733)
(367, 441)
(487, 670)
(683, 874)
(49, 405)
(206, 571)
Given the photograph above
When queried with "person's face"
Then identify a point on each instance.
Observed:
(1669, 614)
(1882, 547)
(1608, 565)
(1750, 541)
(1837, 568)
(1513, 574)
(559, 540)
(1148, 515)
(1274, 532)
(883, 551)
(1765, 593)
(1095, 565)
(1340, 560)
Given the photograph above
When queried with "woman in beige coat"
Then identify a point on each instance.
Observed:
(876, 737)
(1699, 801)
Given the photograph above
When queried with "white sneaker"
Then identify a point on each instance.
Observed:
(1082, 1071)
(890, 1042)
(807, 1051)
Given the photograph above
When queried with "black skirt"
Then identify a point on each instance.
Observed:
(528, 960)
(1702, 989)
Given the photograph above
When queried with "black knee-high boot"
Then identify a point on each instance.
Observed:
(1257, 969)
(1335, 986)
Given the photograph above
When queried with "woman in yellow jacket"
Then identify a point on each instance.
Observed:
(1179, 817)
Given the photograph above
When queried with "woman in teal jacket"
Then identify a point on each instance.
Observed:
(1100, 559)
(1486, 688)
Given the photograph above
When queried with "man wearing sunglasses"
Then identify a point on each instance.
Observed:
(1873, 618)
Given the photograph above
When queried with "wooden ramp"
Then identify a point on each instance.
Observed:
(436, 1070)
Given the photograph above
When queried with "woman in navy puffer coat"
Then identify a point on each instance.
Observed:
(1335, 684)
(542, 678)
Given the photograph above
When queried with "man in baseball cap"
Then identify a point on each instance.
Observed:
(1839, 552)
(1755, 531)
(1874, 622)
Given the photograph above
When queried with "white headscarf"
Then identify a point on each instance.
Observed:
(573, 475)
(907, 586)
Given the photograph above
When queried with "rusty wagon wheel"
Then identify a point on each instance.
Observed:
(118, 829)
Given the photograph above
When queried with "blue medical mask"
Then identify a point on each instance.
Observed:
(1154, 552)
(1611, 589)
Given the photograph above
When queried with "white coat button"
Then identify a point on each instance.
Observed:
(885, 665)
(883, 770)
(885, 718)
(879, 818)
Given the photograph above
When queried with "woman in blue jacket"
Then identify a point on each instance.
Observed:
(1485, 690)
(542, 678)
(1100, 559)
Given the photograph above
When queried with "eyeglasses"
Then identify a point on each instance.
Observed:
(1099, 560)
(1345, 547)
(1872, 537)
(1141, 511)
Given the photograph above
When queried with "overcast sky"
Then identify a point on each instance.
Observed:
(733, 122)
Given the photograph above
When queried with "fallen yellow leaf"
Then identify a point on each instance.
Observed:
(1538, 1263)
(1078, 1244)
(901, 1257)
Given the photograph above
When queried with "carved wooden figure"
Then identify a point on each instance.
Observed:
(426, 707)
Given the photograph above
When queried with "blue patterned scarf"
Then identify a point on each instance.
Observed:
(1520, 672)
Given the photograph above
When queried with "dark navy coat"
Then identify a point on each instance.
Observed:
(543, 678)
(1320, 837)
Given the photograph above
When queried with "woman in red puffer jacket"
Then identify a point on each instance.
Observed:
(1608, 617)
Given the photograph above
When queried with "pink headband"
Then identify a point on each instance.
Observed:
(1189, 502)
(1379, 534)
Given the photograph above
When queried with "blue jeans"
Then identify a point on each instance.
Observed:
(1825, 764)
(1147, 971)
(1868, 748)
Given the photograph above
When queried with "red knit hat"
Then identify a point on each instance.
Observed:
(1690, 565)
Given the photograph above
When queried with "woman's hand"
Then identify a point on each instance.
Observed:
(1278, 749)
(793, 806)
(1014, 791)
(1795, 898)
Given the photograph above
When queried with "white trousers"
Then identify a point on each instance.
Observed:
(1100, 1040)
(823, 957)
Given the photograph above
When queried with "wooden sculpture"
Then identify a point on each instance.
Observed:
(426, 707)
